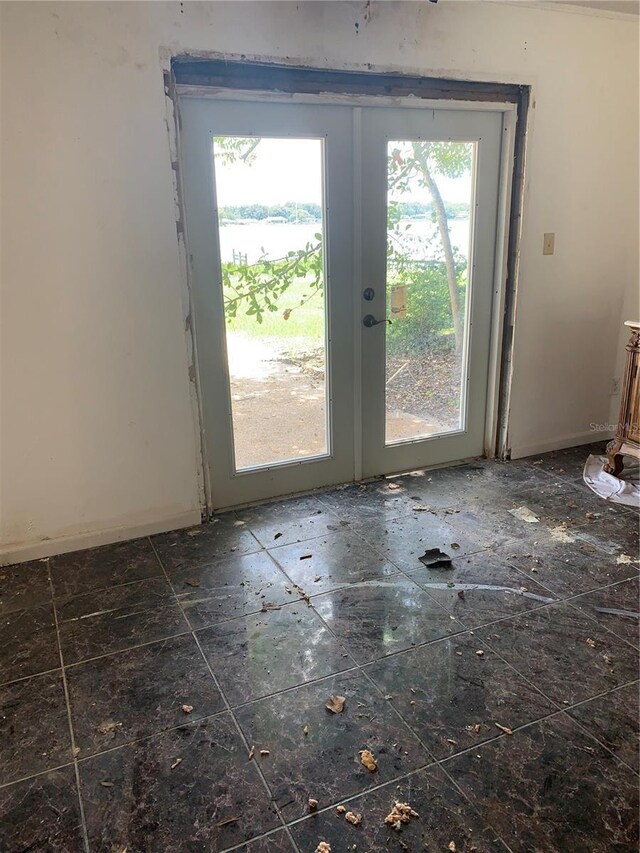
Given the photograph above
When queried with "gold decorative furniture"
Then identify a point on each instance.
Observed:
(627, 438)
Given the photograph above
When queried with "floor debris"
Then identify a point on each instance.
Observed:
(192, 581)
(227, 820)
(368, 761)
(591, 642)
(355, 819)
(560, 534)
(305, 731)
(304, 595)
(108, 727)
(523, 513)
(313, 804)
(435, 558)
(175, 763)
(480, 653)
(306, 556)
(323, 847)
(335, 704)
(504, 729)
(268, 605)
(341, 809)
(252, 752)
(187, 709)
(277, 536)
(393, 486)
(400, 814)
(452, 846)
(421, 508)
(264, 753)
(106, 783)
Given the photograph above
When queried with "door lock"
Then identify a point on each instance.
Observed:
(368, 294)
(369, 320)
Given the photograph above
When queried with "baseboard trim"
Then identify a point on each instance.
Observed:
(47, 548)
(573, 440)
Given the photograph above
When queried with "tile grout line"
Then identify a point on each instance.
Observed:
(468, 799)
(349, 799)
(227, 704)
(362, 670)
(27, 677)
(192, 723)
(493, 549)
(548, 604)
(559, 601)
(357, 667)
(596, 622)
(35, 775)
(560, 712)
(387, 559)
(415, 734)
(467, 629)
(95, 590)
(561, 707)
(583, 726)
(564, 712)
(83, 822)
(327, 592)
(400, 571)
(565, 709)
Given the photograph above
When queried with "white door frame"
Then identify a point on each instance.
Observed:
(509, 110)
(484, 130)
(231, 487)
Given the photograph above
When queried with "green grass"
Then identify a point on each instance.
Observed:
(306, 321)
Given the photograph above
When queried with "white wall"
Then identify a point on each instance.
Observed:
(97, 432)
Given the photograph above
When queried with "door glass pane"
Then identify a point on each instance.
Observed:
(270, 213)
(429, 205)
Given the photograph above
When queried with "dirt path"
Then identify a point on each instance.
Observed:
(279, 404)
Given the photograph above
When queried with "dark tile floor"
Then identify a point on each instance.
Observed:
(169, 694)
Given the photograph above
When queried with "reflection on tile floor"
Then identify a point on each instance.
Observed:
(169, 693)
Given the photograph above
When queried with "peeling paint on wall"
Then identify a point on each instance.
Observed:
(172, 123)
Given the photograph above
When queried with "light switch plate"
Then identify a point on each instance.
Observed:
(548, 244)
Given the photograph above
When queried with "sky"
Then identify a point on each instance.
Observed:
(291, 170)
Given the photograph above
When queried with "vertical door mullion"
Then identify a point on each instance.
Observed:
(373, 276)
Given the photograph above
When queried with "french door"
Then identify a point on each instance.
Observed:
(342, 273)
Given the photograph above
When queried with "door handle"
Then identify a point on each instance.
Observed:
(369, 320)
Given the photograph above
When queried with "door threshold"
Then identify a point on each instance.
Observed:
(363, 482)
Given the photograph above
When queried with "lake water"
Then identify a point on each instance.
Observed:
(274, 240)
